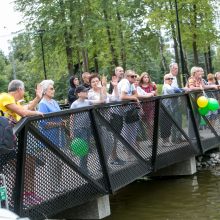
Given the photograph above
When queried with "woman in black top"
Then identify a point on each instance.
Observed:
(74, 82)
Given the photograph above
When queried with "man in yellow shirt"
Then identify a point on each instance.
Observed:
(10, 106)
(9, 101)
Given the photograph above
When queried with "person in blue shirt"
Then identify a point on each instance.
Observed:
(53, 129)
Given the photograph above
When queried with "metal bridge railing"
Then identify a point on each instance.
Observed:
(67, 158)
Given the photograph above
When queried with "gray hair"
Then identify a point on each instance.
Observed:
(15, 84)
(193, 70)
(127, 72)
(172, 65)
(45, 84)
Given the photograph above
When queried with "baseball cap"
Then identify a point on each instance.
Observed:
(81, 89)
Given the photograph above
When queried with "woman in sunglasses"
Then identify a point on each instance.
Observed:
(169, 103)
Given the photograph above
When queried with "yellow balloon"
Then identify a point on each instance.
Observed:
(202, 101)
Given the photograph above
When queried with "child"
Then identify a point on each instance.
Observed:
(81, 121)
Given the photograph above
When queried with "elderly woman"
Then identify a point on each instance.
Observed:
(166, 123)
(195, 81)
(52, 129)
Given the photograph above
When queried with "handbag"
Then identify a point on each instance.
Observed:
(132, 115)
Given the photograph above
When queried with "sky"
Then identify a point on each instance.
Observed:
(9, 20)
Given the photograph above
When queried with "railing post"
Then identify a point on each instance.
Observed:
(17, 193)
(155, 132)
(100, 148)
(195, 128)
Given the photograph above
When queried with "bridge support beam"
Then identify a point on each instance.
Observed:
(187, 167)
(95, 209)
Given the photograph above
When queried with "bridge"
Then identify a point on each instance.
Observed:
(49, 176)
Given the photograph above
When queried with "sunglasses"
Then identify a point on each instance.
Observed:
(169, 79)
(133, 76)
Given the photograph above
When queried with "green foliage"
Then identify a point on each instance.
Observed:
(81, 35)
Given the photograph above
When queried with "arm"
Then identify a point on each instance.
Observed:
(22, 111)
(133, 97)
(142, 94)
(39, 93)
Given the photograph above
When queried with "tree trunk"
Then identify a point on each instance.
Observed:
(195, 52)
(210, 60)
(194, 44)
(123, 53)
(206, 62)
(163, 59)
(68, 41)
(112, 49)
(85, 60)
(83, 50)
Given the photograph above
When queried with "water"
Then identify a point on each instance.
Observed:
(192, 197)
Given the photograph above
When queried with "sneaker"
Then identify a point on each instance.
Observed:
(118, 162)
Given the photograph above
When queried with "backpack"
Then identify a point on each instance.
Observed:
(7, 137)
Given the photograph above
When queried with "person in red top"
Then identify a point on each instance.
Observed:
(146, 84)
(148, 107)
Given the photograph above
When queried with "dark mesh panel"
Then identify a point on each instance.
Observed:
(51, 184)
(115, 135)
(172, 144)
(67, 154)
(8, 168)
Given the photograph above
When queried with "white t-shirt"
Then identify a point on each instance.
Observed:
(125, 86)
(174, 82)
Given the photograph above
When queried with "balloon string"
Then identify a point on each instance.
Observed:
(203, 91)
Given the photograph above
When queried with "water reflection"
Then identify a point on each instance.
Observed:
(194, 197)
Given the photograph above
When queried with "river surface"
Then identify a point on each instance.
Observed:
(191, 198)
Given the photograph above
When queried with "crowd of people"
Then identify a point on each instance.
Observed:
(124, 85)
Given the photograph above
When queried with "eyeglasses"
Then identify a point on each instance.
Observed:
(169, 79)
(133, 76)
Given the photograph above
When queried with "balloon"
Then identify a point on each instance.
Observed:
(79, 147)
(203, 111)
(202, 122)
(202, 101)
(213, 104)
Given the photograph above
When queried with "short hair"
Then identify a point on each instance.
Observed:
(15, 84)
(45, 84)
(94, 75)
(167, 75)
(216, 74)
(84, 74)
(193, 70)
(210, 76)
(127, 72)
(172, 64)
(117, 68)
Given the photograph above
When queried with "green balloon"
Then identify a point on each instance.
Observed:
(203, 111)
(79, 147)
(213, 104)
